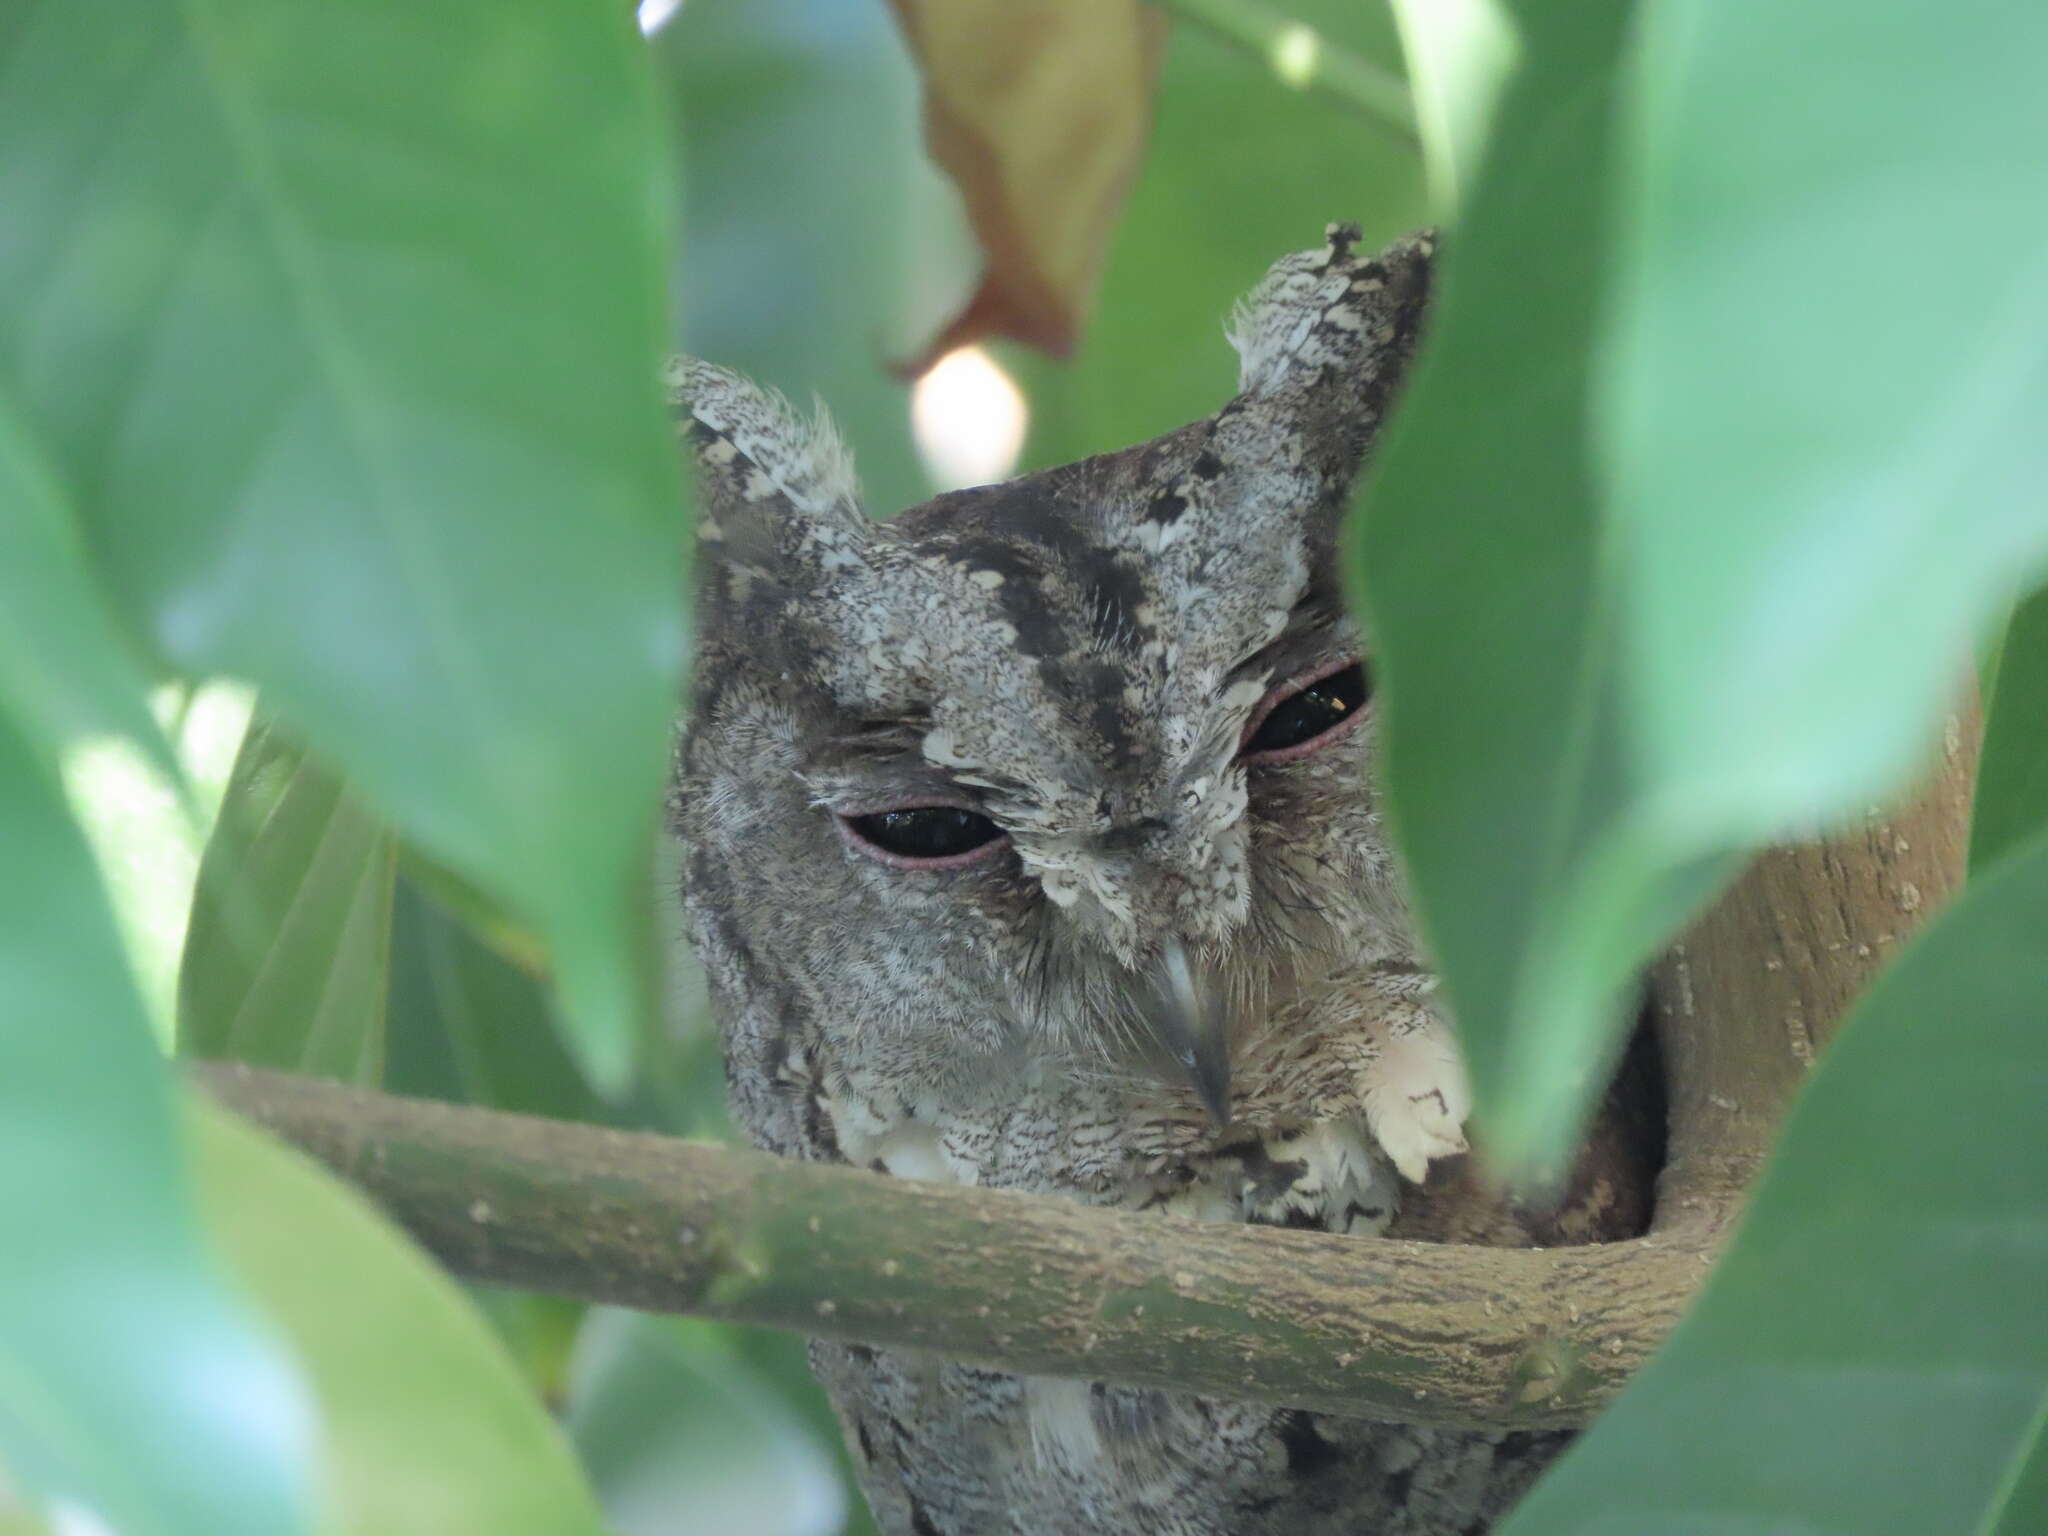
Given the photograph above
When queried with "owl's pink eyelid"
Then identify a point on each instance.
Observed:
(1279, 695)
(881, 855)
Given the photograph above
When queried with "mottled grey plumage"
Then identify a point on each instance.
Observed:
(1077, 655)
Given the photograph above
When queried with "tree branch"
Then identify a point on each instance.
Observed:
(1441, 1333)
(1535, 1336)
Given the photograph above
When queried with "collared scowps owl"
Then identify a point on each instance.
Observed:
(1031, 840)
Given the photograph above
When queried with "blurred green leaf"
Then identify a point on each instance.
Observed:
(129, 1378)
(343, 326)
(16, 1520)
(288, 955)
(1240, 171)
(1868, 1356)
(2012, 773)
(857, 255)
(429, 1427)
(1822, 393)
(500, 932)
(1479, 555)
(680, 1437)
(1609, 673)
(467, 1027)
(66, 669)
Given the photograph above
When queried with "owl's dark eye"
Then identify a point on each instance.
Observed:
(923, 836)
(1296, 720)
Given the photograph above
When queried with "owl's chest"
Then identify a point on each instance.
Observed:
(1085, 1131)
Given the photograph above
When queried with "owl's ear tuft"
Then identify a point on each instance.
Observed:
(1334, 311)
(1323, 343)
(780, 531)
(764, 470)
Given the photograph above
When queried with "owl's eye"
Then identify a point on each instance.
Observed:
(923, 836)
(1296, 720)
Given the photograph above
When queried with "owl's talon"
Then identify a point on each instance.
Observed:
(1417, 1100)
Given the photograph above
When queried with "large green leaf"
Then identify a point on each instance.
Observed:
(680, 1436)
(1823, 392)
(1480, 560)
(129, 1379)
(823, 244)
(343, 324)
(1869, 1356)
(287, 958)
(2012, 773)
(428, 1425)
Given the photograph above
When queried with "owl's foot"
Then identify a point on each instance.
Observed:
(1417, 1098)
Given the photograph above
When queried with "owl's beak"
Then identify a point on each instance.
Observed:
(1194, 1031)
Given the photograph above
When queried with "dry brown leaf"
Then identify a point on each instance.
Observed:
(1039, 110)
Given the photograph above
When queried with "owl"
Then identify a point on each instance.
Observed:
(1031, 840)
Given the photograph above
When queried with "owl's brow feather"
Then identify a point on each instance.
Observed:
(900, 735)
(1314, 624)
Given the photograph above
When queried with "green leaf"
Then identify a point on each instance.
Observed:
(2012, 774)
(860, 252)
(287, 959)
(66, 669)
(1822, 393)
(1240, 171)
(130, 1380)
(429, 1426)
(680, 1436)
(343, 324)
(1868, 1356)
(1479, 556)
(469, 1028)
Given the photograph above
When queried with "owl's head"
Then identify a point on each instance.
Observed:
(1080, 762)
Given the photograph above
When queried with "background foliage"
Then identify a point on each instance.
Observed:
(329, 365)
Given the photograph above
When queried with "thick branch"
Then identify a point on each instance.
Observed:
(1753, 990)
(1420, 1331)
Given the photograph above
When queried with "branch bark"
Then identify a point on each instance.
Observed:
(1542, 1336)
(1440, 1333)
